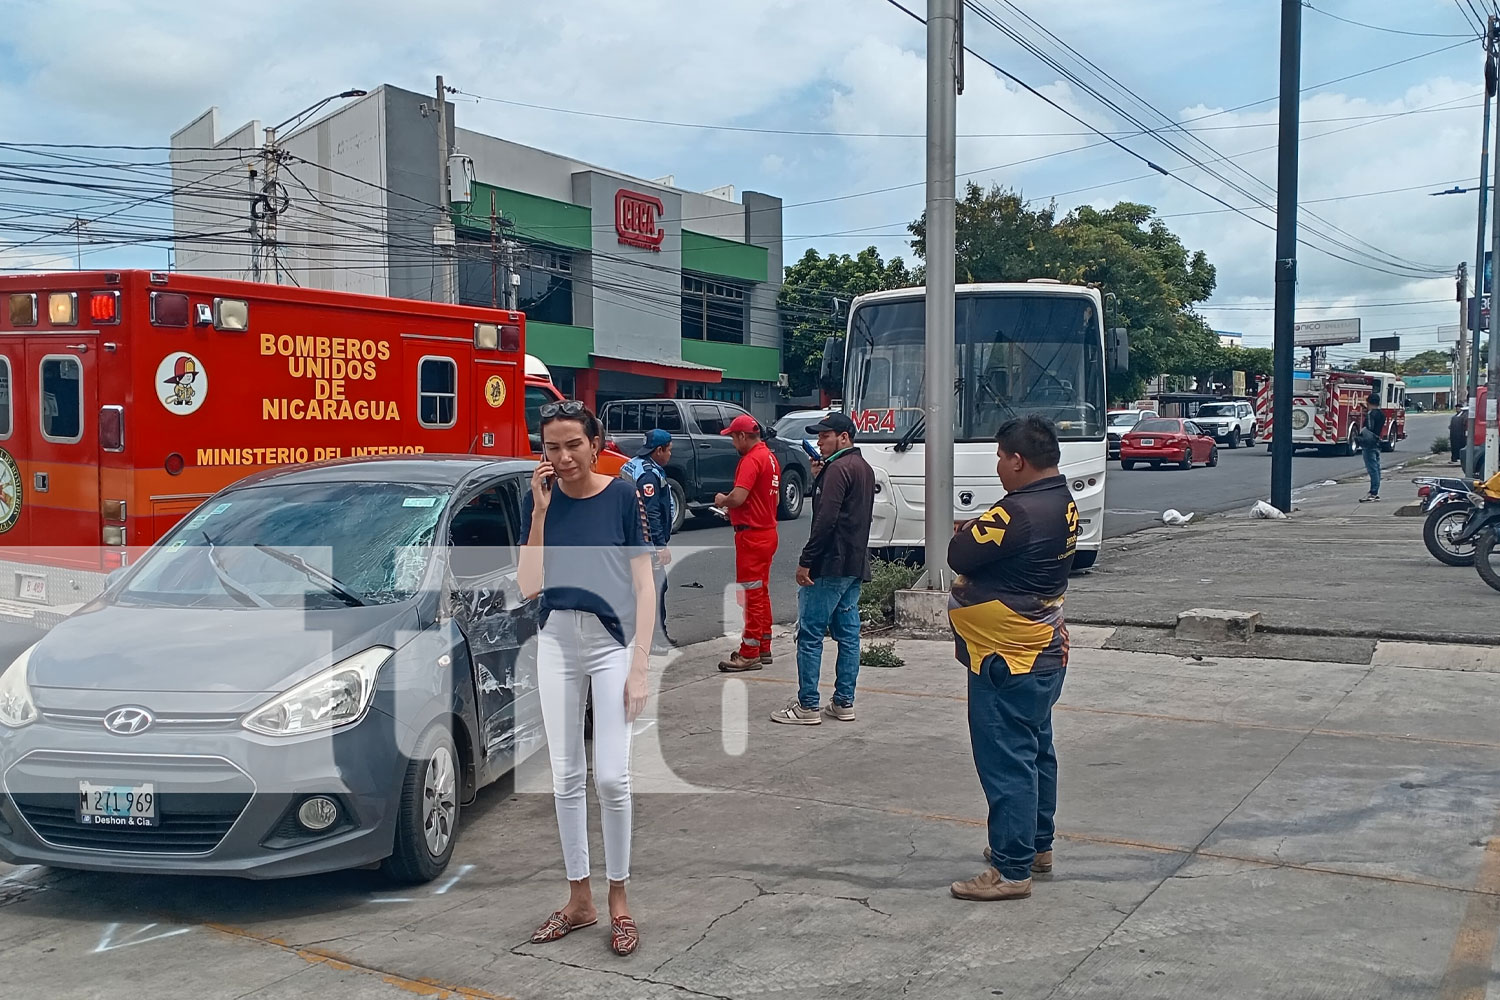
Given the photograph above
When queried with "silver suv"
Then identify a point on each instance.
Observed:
(1231, 422)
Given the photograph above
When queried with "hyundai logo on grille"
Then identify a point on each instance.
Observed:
(128, 721)
(966, 498)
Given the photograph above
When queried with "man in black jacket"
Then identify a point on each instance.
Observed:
(833, 565)
(1458, 434)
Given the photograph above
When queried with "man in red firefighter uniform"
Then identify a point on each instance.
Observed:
(752, 510)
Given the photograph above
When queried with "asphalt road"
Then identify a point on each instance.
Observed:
(1136, 499)
(701, 603)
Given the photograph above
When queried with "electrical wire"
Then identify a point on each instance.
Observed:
(1376, 27)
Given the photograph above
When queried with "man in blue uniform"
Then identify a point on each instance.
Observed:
(656, 500)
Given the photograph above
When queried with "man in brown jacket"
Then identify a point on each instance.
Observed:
(833, 565)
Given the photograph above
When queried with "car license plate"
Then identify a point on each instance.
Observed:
(116, 805)
(31, 588)
(1148, 442)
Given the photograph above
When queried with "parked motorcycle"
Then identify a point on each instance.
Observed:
(1449, 503)
(1481, 530)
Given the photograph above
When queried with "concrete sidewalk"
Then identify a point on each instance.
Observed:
(1334, 567)
(1230, 827)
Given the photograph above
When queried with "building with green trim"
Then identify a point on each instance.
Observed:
(631, 287)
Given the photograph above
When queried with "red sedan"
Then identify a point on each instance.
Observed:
(1167, 439)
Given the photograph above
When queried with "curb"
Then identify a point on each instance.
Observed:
(1388, 635)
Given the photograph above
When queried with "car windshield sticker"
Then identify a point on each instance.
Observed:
(221, 508)
(419, 501)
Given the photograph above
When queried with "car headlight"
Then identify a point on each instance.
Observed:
(17, 708)
(333, 698)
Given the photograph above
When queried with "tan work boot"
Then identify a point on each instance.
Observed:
(990, 886)
(737, 663)
(1041, 864)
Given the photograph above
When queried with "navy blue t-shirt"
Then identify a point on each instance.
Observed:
(588, 548)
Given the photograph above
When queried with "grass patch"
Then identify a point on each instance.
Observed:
(880, 654)
(877, 597)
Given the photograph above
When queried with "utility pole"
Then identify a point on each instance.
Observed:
(443, 235)
(1459, 352)
(942, 142)
(502, 260)
(1286, 255)
(1492, 432)
(1471, 459)
(271, 157)
(255, 240)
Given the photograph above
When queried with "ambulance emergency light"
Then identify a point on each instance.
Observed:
(62, 308)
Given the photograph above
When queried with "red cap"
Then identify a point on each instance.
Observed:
(742, 424)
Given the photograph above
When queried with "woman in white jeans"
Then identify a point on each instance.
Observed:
(587, 554)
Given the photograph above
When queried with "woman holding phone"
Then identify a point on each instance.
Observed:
(586, 554)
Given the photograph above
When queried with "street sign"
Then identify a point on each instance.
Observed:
(1479, 319)
(1385, 345)
(1326, 332)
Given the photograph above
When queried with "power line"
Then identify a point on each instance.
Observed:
(1376, 27)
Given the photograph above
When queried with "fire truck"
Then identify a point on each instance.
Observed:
(1327, 410)
(129, 397)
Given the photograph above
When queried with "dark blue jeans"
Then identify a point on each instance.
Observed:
(1010, 725)
(829, 607)
(1372, 466)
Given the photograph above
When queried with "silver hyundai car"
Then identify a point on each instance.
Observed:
(313, 671)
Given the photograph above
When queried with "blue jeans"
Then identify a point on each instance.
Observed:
(1372, 466)
(1010, 726)
(830, 606)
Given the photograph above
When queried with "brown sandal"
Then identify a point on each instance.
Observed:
(557, 927)
(623, 936)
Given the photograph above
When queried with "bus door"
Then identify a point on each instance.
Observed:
(62, 488)
(15, 453)
(494, 412)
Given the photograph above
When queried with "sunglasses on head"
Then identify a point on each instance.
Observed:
(567, 408)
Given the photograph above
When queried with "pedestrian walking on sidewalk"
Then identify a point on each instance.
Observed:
(834, 563)
(1006, 610)
(1371, 432)
(752, 511)
(585, 552)
(1458, 434)
(656, 500)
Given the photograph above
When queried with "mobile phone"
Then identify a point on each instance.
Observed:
(812, 452)
(547, 483)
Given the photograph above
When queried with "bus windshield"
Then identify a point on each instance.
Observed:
(1016, 354)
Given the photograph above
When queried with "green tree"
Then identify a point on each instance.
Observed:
(1428, 362)
(814, 304)
(1125, 250)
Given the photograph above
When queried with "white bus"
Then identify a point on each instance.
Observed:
(1021, 348)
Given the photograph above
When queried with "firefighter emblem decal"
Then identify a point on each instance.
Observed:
(183, 384)
(494, 391)
(10, 492)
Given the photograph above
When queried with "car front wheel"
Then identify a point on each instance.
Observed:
(1213, 457)
(790, 507)
(427, 820)
(1234, 438)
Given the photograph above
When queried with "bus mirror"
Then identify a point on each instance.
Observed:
(832, 373)
(1117, 348)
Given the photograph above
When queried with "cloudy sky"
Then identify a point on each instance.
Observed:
(821, 103)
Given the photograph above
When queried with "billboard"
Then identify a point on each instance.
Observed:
(1385, 345)
(1326, 332)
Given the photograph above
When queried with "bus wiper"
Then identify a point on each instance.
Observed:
(312, 572)
(230, 584)
(912, 433)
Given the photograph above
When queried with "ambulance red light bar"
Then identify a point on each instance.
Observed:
(169, 309)
(104, 307)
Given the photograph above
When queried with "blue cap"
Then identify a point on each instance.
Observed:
(654, 439)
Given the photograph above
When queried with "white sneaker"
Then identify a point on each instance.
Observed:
(843, 713)
(795, 715)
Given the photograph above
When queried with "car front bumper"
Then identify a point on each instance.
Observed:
(226, 800)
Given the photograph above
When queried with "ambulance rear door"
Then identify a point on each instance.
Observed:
(15, 461)
(494, 415)
(63, 438)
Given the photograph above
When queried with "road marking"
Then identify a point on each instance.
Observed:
(109, 943)
(1471, 963)
(440, 890)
